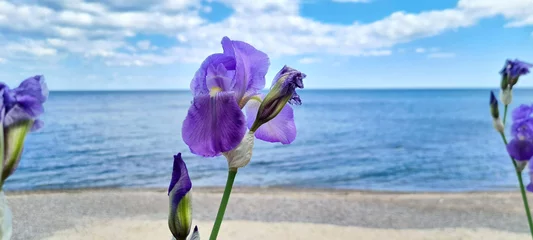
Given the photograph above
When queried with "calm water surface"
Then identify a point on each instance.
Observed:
(397, 140)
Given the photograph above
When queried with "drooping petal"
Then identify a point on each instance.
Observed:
(251, 66)
(280, 129)
(213, 124)
(25, 102)
(520, 150)
(199, 83)
(16, 114)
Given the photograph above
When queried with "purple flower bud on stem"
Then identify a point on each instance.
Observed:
(494, 106)
(180, 216)
(512, 71)
(283, 90)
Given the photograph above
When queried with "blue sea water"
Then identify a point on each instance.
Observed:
(393, 140)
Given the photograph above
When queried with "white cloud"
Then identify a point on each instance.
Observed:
(104, 29)
(309, 60)
(146, 45)
(441, 55)
(2, 60)
(520, 12)
(29, 47)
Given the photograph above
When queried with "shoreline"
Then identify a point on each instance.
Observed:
(313, 214)
(244, 189)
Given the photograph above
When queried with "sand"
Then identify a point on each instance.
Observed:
(255, 213)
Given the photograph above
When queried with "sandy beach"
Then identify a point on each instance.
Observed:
(265, 213)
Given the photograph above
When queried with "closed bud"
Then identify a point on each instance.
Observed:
(504, 84)
(283, 90)
(180, 214)
(506, 95)
(14, 136)
(494, 106)
(242, 154)
(498, 125)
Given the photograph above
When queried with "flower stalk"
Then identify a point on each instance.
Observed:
(518, 172)
(223, 203)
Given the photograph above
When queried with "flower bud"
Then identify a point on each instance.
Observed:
(506, 95)
(498, 125)
(14, 136)
(494, 106)
(283, 90)
(242, 154)
(180, 216)
(511, 72)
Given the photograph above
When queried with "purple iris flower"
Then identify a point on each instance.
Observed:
(19, 114)
(24, 102)
(522, 127)
(513, 70)
(180, 217)
(222, 86)
(520, 149)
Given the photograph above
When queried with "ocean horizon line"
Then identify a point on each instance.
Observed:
(307, 89)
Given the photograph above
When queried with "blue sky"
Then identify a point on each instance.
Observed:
(159, 44)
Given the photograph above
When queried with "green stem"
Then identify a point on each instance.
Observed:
(225, 198)
(504, 114)
(524, 199)
(521, 182)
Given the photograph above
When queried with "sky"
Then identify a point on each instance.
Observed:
(339, 44)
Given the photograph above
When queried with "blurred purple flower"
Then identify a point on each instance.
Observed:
(24, 102)
(520, 149)
(180, 217)
(19, 111)
(512, 70)
(522, 127)
(223, 85)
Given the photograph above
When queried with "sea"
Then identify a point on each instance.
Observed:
(378, 140)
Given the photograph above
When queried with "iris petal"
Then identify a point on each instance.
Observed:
(35, 87)
(219, 77)
(280, 129)
(199, 83)
(213, 124)
(520, 150)
(251, 66)
(180, 183)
